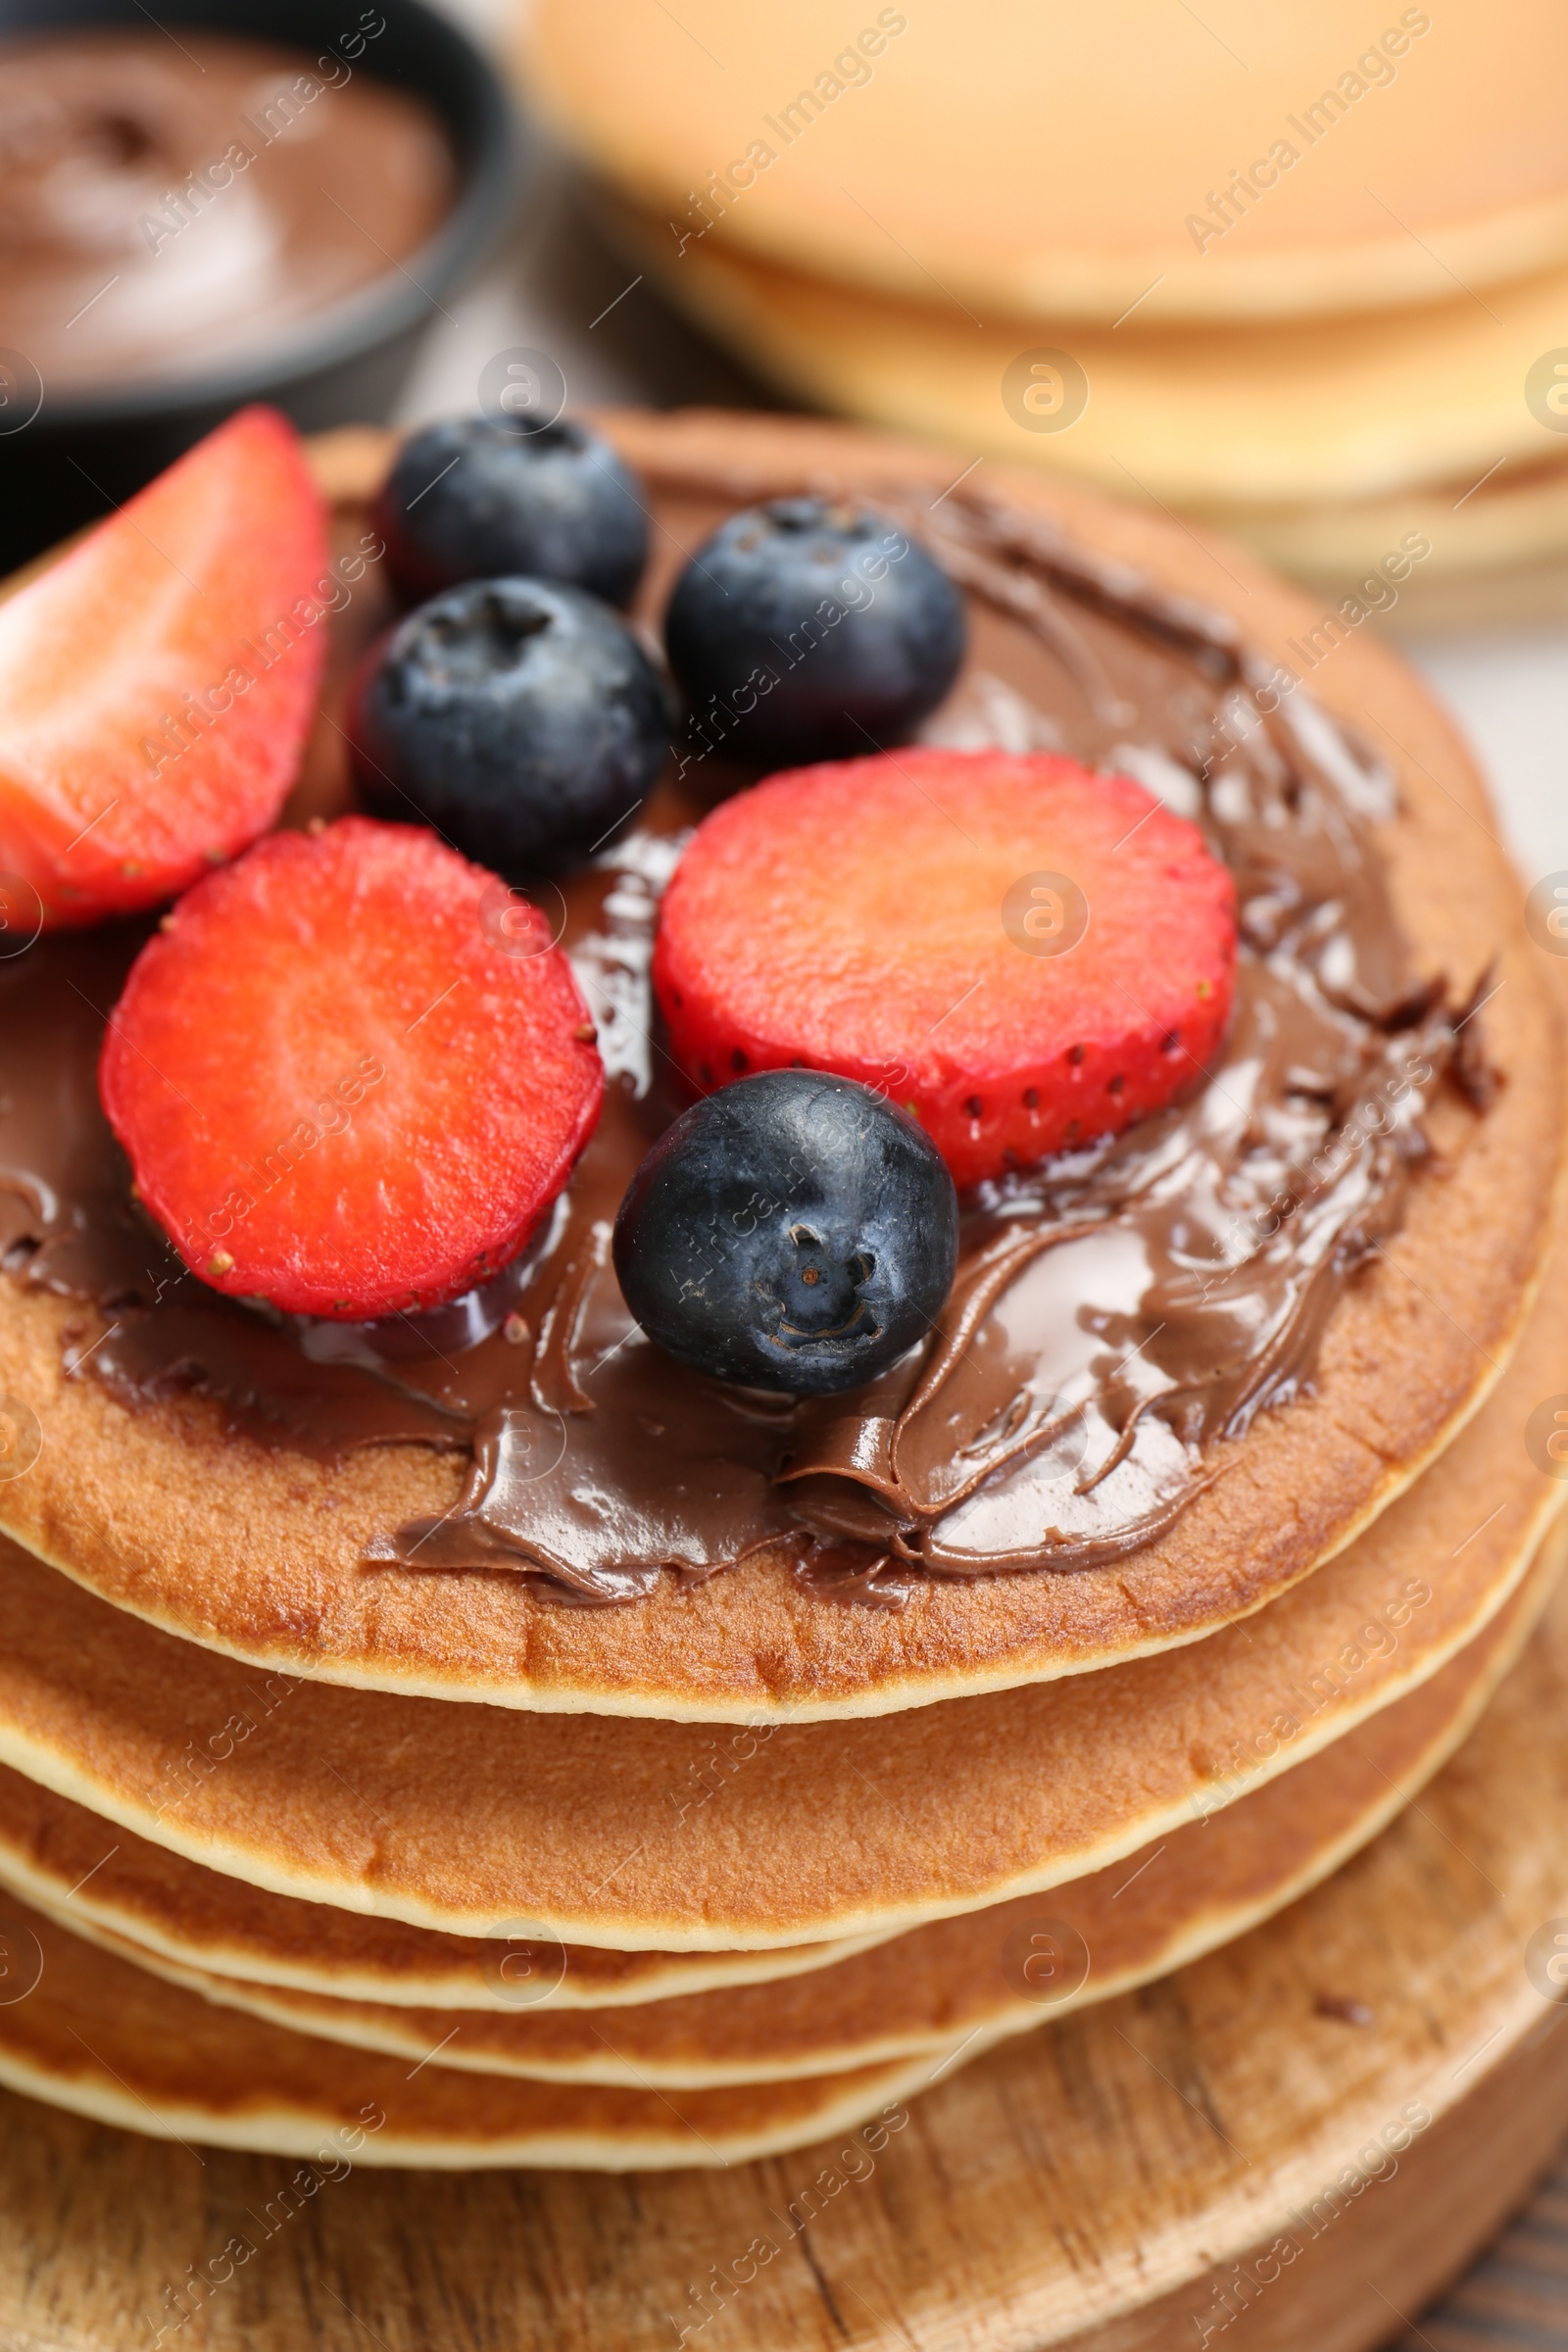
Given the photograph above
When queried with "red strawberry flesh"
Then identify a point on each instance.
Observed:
(157, 682)
(351, 1072)
(903, 920)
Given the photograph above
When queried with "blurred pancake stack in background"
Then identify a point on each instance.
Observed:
(1303, 276)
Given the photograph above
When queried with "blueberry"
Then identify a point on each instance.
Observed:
(793, 1231)
(803, 630)
(522, 719)
(473, 500)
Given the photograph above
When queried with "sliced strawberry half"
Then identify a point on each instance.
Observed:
(157, 682)
(1024, 953)
(351, 1072)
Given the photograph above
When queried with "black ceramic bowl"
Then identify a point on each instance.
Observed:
(82, 452)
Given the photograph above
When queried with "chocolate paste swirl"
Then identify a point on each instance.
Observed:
(1118, 1310)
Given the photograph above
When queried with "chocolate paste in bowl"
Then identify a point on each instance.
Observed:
(167, 206)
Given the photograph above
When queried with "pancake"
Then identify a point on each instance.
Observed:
(171, 1507)
(964, 1979)
(1498, 550)
(101, 2036)
(638, 1835)
(109, 1883)
(1218, 418)
(1041, 163)
(111, 2042)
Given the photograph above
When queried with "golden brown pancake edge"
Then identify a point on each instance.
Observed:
(230, 1545)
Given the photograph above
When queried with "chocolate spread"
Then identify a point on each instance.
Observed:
(1118, 1311)
(168, 204)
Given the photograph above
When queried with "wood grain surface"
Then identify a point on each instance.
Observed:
(1296, 2142)
(1517, 2294)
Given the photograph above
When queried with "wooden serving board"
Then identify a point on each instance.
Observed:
(1293, 2143)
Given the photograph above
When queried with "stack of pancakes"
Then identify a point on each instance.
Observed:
(1306, 275)
(307, 1848)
